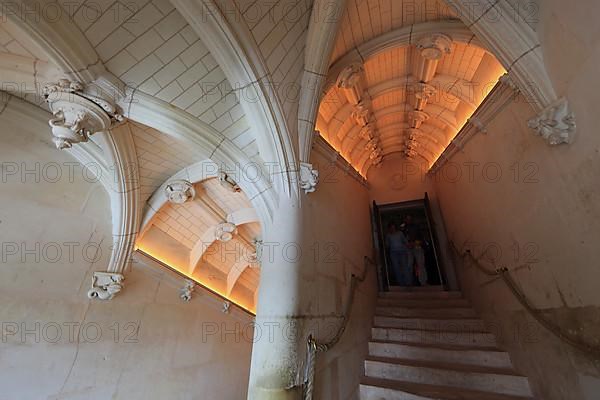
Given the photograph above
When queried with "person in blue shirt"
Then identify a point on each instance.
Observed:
(397, 245)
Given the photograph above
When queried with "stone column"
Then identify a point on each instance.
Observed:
(278, 351)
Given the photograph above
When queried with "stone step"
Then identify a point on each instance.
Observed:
(422, 303)
(485, 357)
(473, 339)
(451, 312)
(432, 324)
(484, 379)
(421, 295)
(437, 288)
(378, 389)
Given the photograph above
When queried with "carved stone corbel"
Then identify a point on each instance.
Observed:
(76, 114)
(309, 178)
(224, 231)
(434, 46)
(412, 144)
(507, 80)
(376, 156)
(556, 123)
(371, 145)
(431, 48)
(105, 285)
(256, 256)
(228, 182)
(477, 124)
(180, 191)
(187, 290)
(349, 81)
(423, 93)
(377, 160)
(361, 115)
(417, 118)
(226, 307)
(367, 132)
(409, 153)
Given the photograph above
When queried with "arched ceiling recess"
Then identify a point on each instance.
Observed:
(409, 89)
(208, 231)
(150, 59)
(160, 137)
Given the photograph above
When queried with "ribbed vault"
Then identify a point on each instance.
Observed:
(398, 87)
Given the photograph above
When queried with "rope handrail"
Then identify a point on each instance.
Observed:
(552, 327)
(313, 347)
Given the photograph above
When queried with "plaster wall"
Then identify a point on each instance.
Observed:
(56, 344)
(398, 179)
(534, 209)
(340, 228)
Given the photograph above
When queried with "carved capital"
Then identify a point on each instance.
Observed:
(309, 177)
(434, 46)
(180, 191)
(78, 115)
(225, 231)
(556, 123)
(105, 285)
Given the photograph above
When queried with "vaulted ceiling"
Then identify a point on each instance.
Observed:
(196, 87)
(188, 237)
(404, 78)
(151, 48)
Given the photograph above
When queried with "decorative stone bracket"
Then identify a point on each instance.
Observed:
(187, 290)
(309, 178)
(556, 123)
(226, 307)
(76, 114)
(105, 285)
(349, 81)
(434, 46)
(255, 257)
(228, 182)
(224, 231)
(180, 191)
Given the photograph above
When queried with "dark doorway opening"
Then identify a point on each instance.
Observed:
(406, 245)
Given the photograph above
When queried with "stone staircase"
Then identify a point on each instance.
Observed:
(429, 344)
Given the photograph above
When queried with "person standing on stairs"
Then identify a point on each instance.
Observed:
(398, 251)
(410, 231)
(419, 257)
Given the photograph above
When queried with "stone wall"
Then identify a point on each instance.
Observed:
(532, 208)
(341, 230)
(56, 344)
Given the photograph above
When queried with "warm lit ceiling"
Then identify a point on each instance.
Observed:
(183, 237)
(410, 98)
